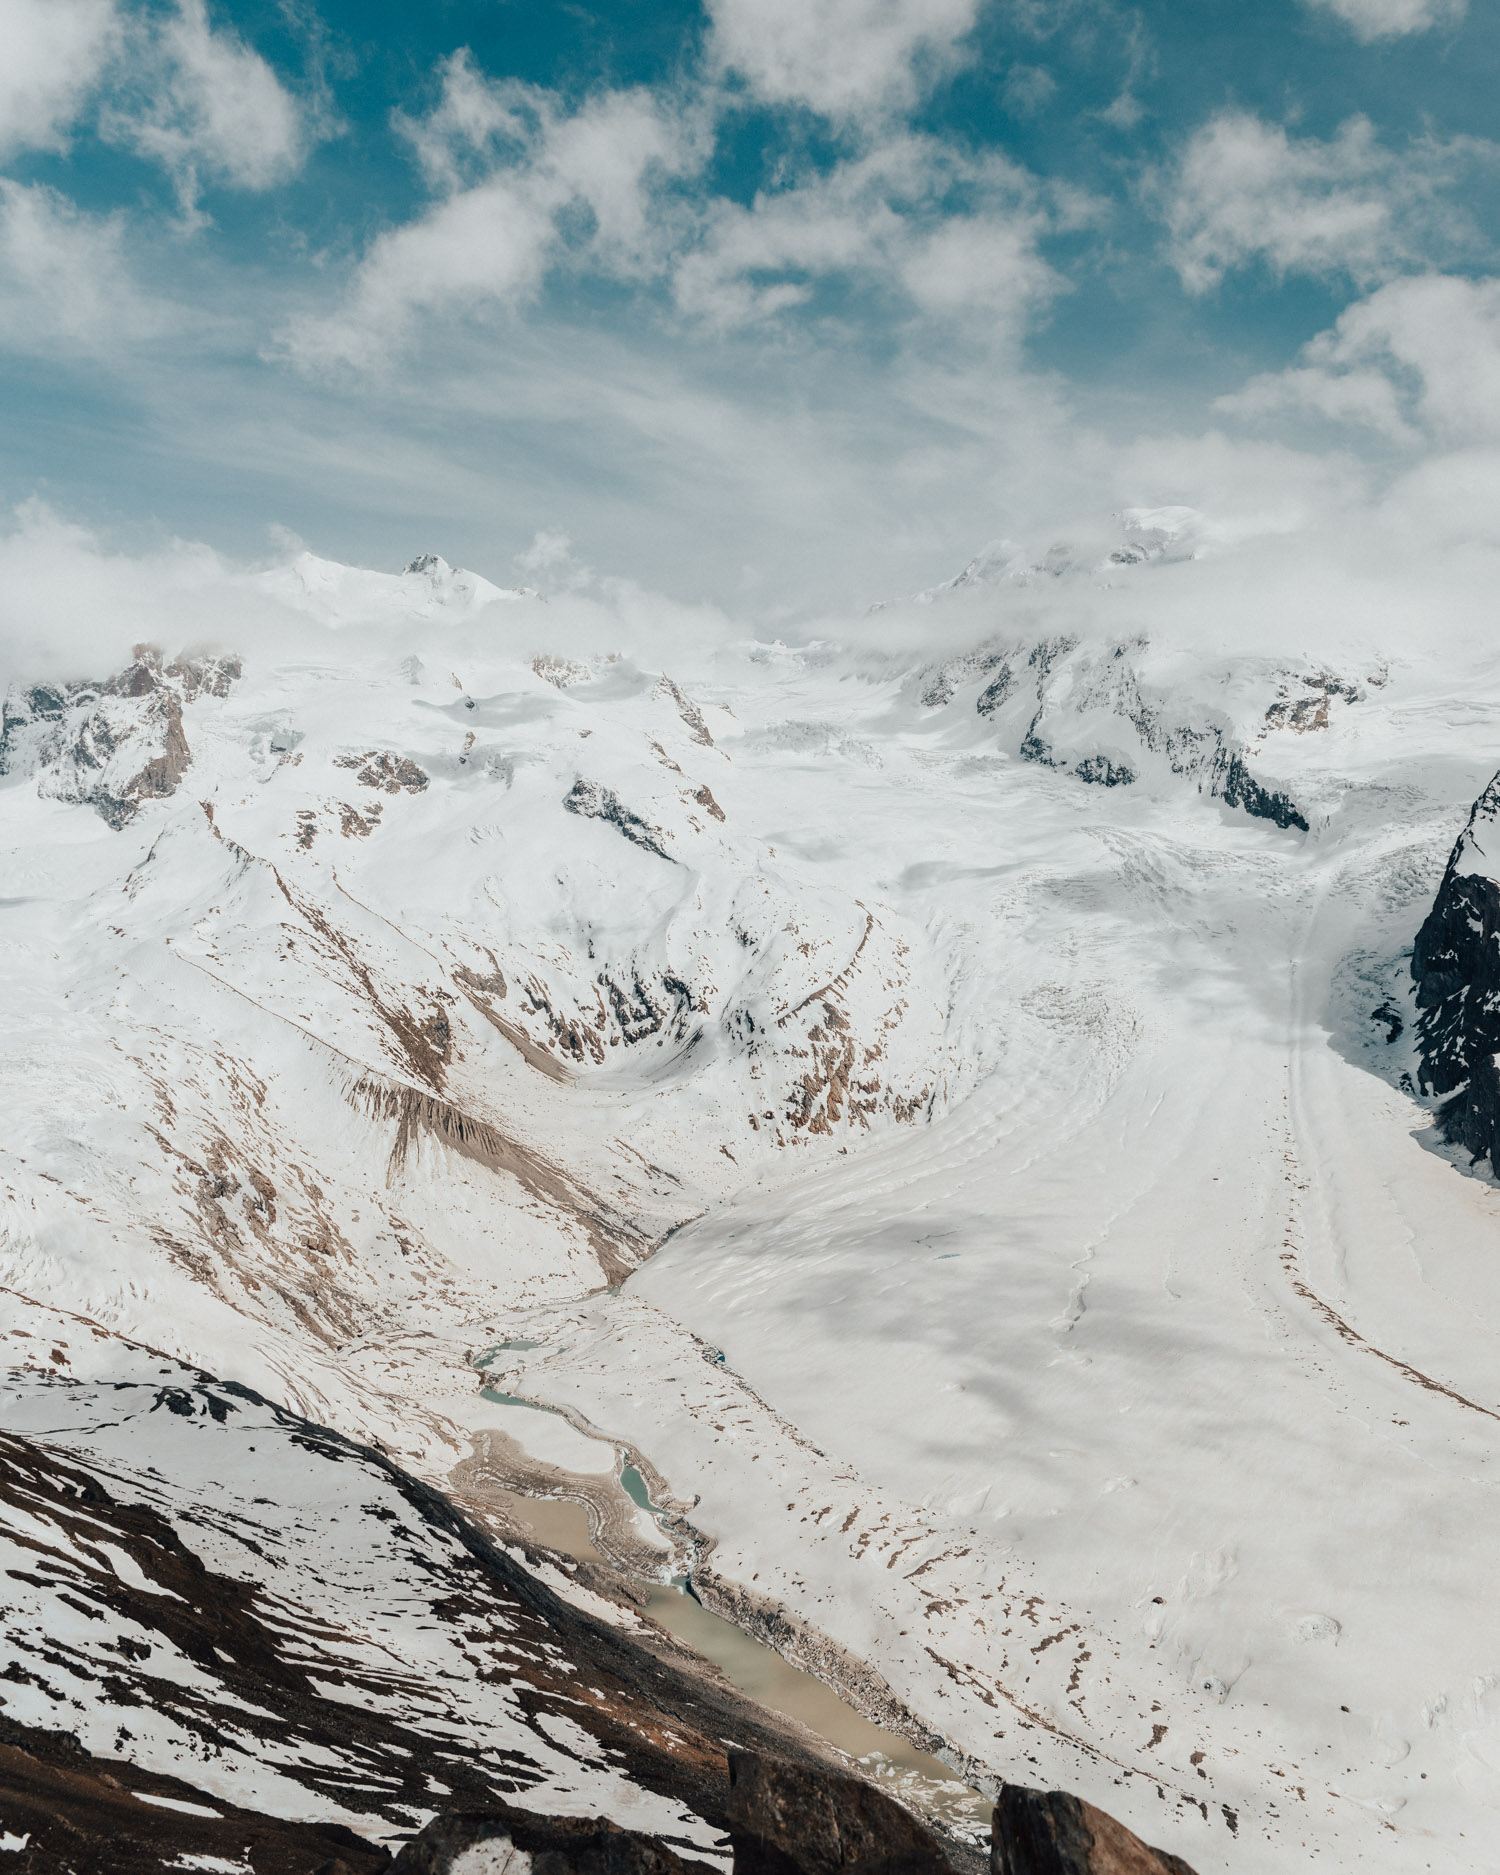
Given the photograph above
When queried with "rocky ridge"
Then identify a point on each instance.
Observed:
(115, 744)
(1114, 712)
(1102, 714)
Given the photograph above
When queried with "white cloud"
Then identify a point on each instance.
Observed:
(1419, 360)
(1028, 90)
(53, 53)
(64, 280)
(1394, 19)
(529, 188)
(210, 109)
(980, 262)
(1243, 190)
(1366, 398)
(843, 58)
(484, 246)
(887, 220)
(554, 187)
(474, 119)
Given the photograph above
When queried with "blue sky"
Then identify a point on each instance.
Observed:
(781, 303)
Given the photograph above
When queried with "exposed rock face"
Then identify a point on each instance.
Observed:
(383, 769)
(1048, 1832)
(116, 744)
(785, 1819)
(1232, 782)
(1455, 963)
(78, 1814)
(591, 802)
(792, 1819)
(508, 1841)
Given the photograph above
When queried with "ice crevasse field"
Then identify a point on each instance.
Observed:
(941, 1091)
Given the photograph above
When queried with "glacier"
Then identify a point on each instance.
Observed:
(943, 1098)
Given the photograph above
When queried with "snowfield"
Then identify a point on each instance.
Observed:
(941, 1095)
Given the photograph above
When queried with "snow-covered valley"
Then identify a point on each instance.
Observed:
(940, 1099)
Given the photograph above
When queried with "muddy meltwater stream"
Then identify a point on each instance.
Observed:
(580, 1513)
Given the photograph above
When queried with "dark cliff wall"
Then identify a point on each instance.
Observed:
(1455, 964)
(791, 1819)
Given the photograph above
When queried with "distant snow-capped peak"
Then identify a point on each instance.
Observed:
(427, 587)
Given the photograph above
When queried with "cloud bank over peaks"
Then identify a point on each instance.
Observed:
(1244, 190)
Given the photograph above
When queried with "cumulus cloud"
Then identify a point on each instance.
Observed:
(912, 216)
(526, 186)
(553, 185)
(65, 282)
(1393, 19)
(54, 51)
(1418, 361)
(1244, 190)
(842, 58)
(206, 106)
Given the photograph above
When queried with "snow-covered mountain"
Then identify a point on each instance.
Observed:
(940, 1100)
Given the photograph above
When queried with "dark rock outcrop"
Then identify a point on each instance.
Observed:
(78, 1814)
(1455, 964)
(1101, 770)
(383, 769)
(1237, 787)
(1048, 1832)
(555, 1845)
(592, 802)
(798, 1819)
(1050, 699)
(788, 1819)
